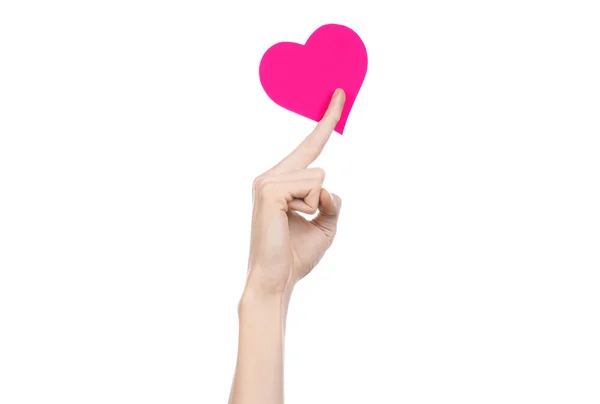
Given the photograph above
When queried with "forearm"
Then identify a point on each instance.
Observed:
(259, 370)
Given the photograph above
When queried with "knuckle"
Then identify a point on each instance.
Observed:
(267, 190)
(313, 145)
(310, 152)
(320, 173)
(333, 117)
(258, 182)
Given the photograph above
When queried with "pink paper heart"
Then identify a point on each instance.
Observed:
(302, 78)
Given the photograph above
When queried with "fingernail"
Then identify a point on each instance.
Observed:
(336, 202)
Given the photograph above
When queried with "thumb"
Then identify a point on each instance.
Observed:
(329, 211)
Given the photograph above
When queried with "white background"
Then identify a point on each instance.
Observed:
(466, 268)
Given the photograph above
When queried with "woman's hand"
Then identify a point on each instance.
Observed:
(284, 245)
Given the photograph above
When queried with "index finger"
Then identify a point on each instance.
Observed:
(312, 146)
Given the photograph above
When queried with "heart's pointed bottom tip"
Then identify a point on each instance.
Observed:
(340, 127)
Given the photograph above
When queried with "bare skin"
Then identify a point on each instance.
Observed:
(284, 248)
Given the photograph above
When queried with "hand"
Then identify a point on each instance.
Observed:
(285, 246)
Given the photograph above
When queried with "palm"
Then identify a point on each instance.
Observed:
(308, 243)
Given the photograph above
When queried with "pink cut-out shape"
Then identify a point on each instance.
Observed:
(302, 78)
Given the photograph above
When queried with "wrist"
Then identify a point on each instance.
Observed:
(262, 286)
(254, 299)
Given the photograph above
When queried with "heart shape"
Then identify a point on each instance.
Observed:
(302, 78)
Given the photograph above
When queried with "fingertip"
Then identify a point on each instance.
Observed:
(337, 202)
(336, 105)
(326, 201)
(330, 203)
(338, 99)
(331, 117)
